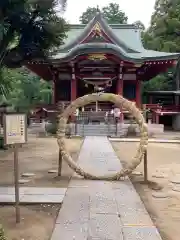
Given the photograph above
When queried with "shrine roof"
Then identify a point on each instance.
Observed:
(126, 42)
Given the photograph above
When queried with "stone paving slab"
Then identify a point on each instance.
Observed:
(32, 195)
(70, 232)
(141, 233)
(42, 199)
(151, 140)
(105, 226)
(102, 210)
(33, 190)
(7, 198)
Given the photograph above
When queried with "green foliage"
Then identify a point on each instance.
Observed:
(25, 89)
(1, 147)
(139, 25)
(164, 31)
(162, 82)
(2, 234)
(51, 128)
(159, 83)
(29, 29)
(163, 35)
(112, 13)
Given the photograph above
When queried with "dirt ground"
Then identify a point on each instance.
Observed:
(39, 156)
(162, 159)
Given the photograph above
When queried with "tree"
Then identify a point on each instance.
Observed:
(164, 31)
(26, 89)
(111, 13)
(161, 82)
(163, 35)
(139, 25)
(29, 29)
(88, 15)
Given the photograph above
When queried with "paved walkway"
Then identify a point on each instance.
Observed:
(99, 210)
(151, 140)
(31, 195)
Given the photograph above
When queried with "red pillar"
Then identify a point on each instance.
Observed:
(150, 99)
(73, 85)
(73, 89)
(54, 88)
(119, 90)
(138, 93)
(157, 118)
(54, 99)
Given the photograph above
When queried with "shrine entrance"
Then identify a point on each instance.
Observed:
(120, 102)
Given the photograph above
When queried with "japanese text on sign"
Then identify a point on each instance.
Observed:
(15, 129)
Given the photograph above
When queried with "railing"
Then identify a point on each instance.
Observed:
(160, 108)
(93, 117)
(171, 108)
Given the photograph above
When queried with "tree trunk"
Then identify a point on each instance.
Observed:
(4, 44)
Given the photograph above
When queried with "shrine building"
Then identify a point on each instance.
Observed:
(102, 57)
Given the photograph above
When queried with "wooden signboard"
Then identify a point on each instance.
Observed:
(15, 129)
(15, 134)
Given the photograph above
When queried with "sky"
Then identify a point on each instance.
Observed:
(134, 9)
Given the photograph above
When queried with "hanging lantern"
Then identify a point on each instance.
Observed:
(109, 84)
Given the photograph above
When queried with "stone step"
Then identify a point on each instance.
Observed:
(99, 130)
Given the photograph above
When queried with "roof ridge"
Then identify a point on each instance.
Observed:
(119, 26)
(106, 28)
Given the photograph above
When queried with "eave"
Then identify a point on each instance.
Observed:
(108, 48)
(163, 93)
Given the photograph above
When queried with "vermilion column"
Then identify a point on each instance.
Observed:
(54, 94)
(73, 85)
(157, 118)
(119, 89)
(150, 99)
(138, 93)
(73, 90)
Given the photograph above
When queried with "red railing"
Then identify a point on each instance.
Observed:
(160, 108)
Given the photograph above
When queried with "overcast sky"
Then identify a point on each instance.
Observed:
(134, 9)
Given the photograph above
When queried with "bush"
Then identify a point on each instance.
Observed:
(51, 128)
(131, 132)
(2, 235)
(2, 143)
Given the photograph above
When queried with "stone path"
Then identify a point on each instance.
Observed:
(31, 195)
(100, 210)
(151, 140)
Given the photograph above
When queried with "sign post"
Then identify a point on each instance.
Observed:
(15, 134)
(145, 168)
(16, 183)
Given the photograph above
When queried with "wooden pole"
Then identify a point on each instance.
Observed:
(116, 122)
(145, 167)
(96, 106)
(60, 108)
(60, 164)
(16, 183)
